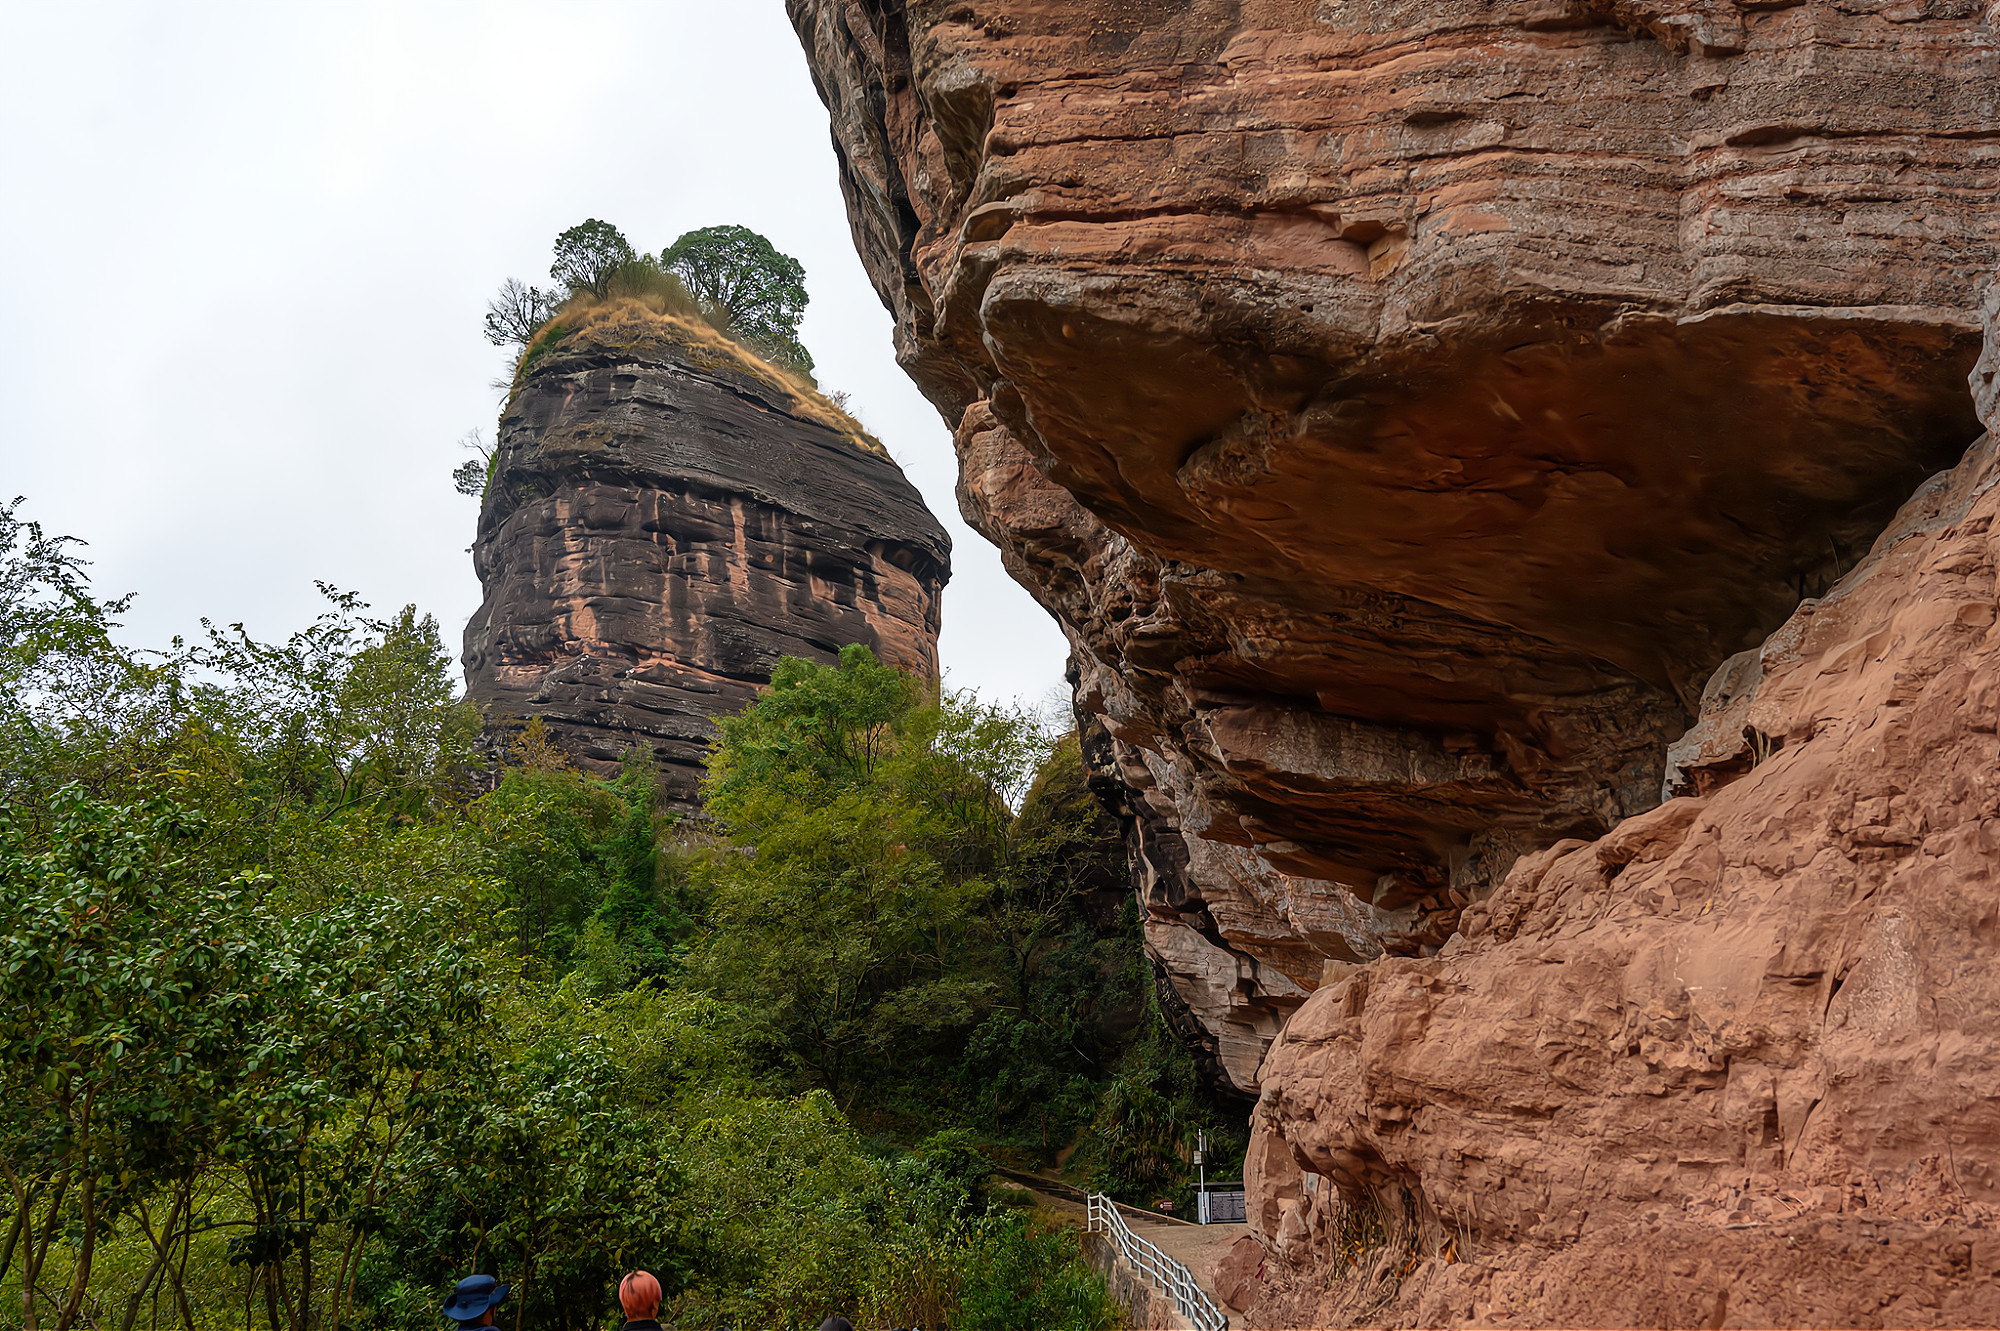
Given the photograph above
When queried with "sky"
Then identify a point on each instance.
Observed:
(245, 250)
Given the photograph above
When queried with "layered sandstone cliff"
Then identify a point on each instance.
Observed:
(1446, 431)
(1405, 405)
(667, 518)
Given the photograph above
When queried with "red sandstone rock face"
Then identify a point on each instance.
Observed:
(1406, 406)
(1239, 1272)
(1764, 1014)
(665, 522)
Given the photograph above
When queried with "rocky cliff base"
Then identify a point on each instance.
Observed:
(1859, 1270)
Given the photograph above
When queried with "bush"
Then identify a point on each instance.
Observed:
(1023, 1273)
(642, 279)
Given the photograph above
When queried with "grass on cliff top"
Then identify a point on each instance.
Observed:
(645, 305)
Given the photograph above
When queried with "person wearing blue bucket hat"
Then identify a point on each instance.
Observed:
(473, 1301)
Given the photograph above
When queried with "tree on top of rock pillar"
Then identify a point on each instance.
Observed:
(746, 287)
(588, 254)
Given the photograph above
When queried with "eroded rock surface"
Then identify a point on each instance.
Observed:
(1406, 405)
(1749, 1033)
(667, 519)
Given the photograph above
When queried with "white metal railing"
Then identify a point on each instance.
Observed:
(1168, 1276)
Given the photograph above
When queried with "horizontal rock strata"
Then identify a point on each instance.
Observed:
(1405, 405)
(667, 518)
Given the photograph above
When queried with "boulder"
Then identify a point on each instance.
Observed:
(1237, 1273)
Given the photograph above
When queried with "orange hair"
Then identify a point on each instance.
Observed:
(639, 1295)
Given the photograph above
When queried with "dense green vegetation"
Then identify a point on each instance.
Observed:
(306, 1011)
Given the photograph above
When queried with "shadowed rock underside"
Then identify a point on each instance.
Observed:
(1751, 1031)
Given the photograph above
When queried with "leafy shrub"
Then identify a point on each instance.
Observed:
(1023, 1273)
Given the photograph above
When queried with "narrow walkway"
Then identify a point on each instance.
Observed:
(1197, 1247)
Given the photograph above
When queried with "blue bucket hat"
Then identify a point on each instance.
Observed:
(474, 1295)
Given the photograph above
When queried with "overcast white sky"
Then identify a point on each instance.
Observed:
(245, 248)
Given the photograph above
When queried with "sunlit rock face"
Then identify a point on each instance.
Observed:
(1405, 407)
(667, 519)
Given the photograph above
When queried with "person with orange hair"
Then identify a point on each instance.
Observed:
(639, 1296)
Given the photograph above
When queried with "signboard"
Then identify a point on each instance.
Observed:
(1222, 1208)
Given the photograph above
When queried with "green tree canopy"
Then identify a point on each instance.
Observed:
(844, 939)
(746, 287)
(587, 255)
(297, 1027)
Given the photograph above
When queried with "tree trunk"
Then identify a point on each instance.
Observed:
(38, 1252)
(302, 1321)
(85, 1257)
(22, 1201)
(521, 1294)
(161, 1251)
(178, 1273)
(271, 1295)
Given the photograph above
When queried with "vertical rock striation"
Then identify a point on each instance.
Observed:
(1405, 405)
(667, 518)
